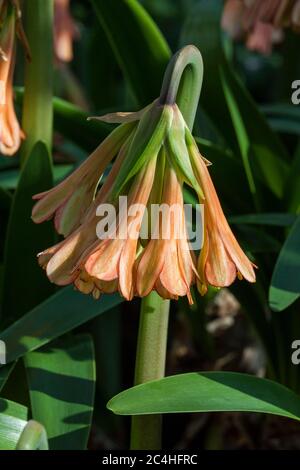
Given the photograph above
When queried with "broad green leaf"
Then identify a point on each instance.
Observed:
(24, 283)
(13, 418)
(285, 283)
(205, 392)
(275, 218)
(140, 48)
(60, 313)
(61, 379)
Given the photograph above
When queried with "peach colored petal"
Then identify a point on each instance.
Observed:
(126, 263)
(73, 196)
(221, 256)
(149, 266)
(164, 293)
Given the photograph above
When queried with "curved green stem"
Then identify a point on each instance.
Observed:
(37, 105)
(33, 437)
(182, 84)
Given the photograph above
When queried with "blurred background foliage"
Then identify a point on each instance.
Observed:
(68, 354)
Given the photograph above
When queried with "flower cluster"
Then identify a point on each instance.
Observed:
(260, 22)
(155, 156)
(10, 27)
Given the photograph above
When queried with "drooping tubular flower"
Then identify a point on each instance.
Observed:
(260, 22)
(155, 156)
(10, 25)
(65, 31)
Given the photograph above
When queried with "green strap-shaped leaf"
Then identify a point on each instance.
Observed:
(24, 283)
(285, 283)
(207, 391)
(277, 219)
(139, 46)
(13, 419)
(61, 380)
(60, 313)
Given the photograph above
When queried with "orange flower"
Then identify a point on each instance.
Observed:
(260, 21)
(69, 200)
(221, 258)
(232, 18)
(65, 31)
(166, 264)
(261, 38)
(97, 265)
(10, 132)
(142, 250)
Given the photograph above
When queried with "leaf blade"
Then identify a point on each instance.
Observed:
(61, 380)
(205, 392)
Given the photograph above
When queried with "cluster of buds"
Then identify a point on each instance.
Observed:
(260, 22)
(156, 155)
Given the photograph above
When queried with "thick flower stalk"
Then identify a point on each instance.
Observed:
(10, 26)
(260, 22)
(155, 156)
